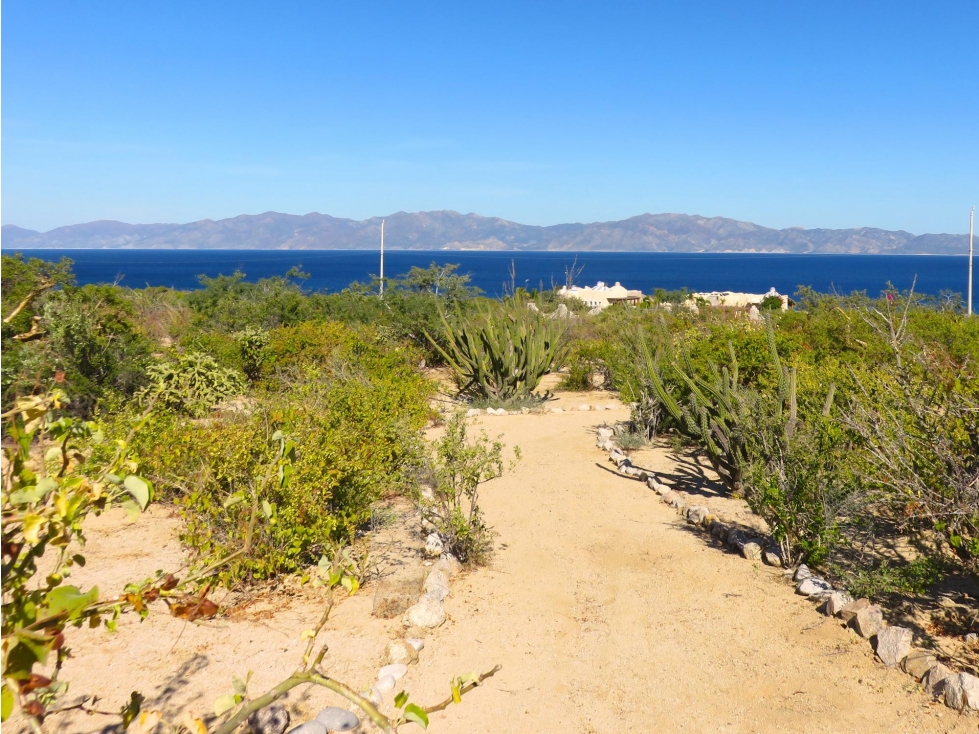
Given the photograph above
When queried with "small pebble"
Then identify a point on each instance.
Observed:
(395, 670)
(337, 719)
(416, 642)
(310, 727)
(385, 683)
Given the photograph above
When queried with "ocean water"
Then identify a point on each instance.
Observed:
(333, 270)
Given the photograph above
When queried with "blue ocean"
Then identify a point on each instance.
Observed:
(334, 270)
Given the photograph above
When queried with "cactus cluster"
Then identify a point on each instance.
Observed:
(719, 412)
(501, 351)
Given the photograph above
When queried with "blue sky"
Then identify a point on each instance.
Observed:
(829, 114)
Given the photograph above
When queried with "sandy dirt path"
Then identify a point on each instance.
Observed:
(606, 612)
(609, 615)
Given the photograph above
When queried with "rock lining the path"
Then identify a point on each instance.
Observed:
(893, 645)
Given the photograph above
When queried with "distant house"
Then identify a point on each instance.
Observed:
(601, 295)
(733, 300)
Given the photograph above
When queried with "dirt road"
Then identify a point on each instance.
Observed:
(607, 614)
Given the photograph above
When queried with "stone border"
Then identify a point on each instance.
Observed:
(427, 613)
(892, 644)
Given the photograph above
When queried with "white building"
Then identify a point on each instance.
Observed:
(601, 295)
(732, 299)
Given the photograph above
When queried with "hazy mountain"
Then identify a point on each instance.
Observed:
(453, 231)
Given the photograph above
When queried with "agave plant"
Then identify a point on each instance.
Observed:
(501, 351)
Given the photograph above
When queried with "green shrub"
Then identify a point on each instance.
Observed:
(352, 411)
(502, 351)
(191, 383)
(459, 466)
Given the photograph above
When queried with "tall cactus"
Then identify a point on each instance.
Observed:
(501, 351)
(717, 412)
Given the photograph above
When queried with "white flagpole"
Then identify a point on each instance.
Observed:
(382, 258)
(972, 217)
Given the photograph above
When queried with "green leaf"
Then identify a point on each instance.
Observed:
(131, 508)
(33, 494)
(7, 706)
(131, 710)
(234, 500)
(70, 600)
(350, 584)
(241, 688)
(140, 489)
(416, 713)
(267, 509)
(401, 699)
(223, 703)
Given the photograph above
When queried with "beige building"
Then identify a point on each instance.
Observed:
(601, 295)
(732, 299)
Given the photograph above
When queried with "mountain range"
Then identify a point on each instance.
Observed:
(449, 230)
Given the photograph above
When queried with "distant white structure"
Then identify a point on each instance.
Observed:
(601, 295)
(731, 299)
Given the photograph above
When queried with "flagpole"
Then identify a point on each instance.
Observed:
(382, 258)
(972, 218)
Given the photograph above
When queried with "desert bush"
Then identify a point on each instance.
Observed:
(88, 341)
(918, 427)
(191, 383)
(353, 410)
(501, 351)
(459, 466)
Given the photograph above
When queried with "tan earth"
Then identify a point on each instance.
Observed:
(607, 613)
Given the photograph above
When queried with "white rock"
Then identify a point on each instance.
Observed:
(584, 407)
(427, 613)
(449, 565)
(385, 684)
(525, 410)
(936, 678)
(773, 557)
(696, 514)
(893, 645)
(416, 642)
(752, 550)
(868, 621)
(313, 727)
(557, 410)
(374, 696)
(337, 719)
(813, 586)
(802, 572)
(437, 584)
(836, 601)
(395, 670)
(472, 412)
(399, 651)
(962, 692)
(434, 545)
(605, 432)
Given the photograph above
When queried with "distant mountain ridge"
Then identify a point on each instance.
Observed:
(449, 230)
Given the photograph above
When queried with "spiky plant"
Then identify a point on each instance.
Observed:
(716, 412)
(501, 351)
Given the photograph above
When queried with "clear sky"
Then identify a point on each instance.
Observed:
(815, 114)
